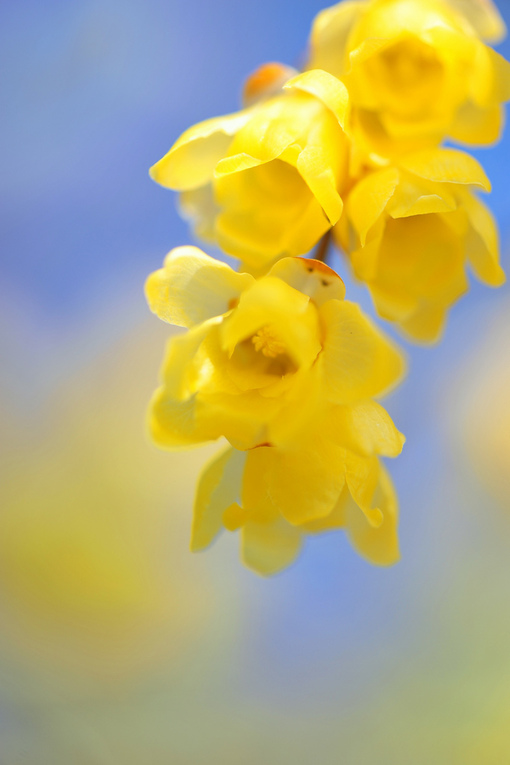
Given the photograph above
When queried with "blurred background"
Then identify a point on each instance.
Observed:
(117, 646)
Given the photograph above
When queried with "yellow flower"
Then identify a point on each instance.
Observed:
(267, 181)
(261, 355)
(285, 369)
(267, 492)
(416, 70)
(411, 229)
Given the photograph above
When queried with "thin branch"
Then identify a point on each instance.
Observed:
(321, 252)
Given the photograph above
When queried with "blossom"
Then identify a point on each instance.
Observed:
(254, 493)
(285, 369)
(266, 181)
(411, 229)
(416, 70)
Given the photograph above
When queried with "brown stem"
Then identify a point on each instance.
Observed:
(321, 252)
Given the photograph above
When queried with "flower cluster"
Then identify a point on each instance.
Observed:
(275, 360)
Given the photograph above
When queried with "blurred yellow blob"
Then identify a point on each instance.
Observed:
(416, 70)
(95, 577)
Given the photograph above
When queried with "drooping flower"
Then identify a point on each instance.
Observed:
(265, 182)
(285, 369)
(410, 230)
(263, 493)
(416, 70)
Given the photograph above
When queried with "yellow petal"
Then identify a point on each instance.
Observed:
(427, 323)
(368, 199)
(446, 166)
(484, 18)
(199, 208)
(379, 545)
(413, 197)
(303, 482)
(482, 244)
(268, 548)
(192, 287)
(175, 425)
(327, 88)
(362, 475)
(182, 372)
(365, 428)
(315, 166)
(191, 161)
(311, 277)
(477, 125)
(330, 33)
(218, 487)
(359, 360)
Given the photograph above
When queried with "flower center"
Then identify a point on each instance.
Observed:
(267, 341)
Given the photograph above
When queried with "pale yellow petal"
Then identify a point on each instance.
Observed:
(446, 166)
(427, 323)
(269, 547)
(219, 486)
(379, 545)
(193, 287)
(327, 88)
(174, 425)
(191, 161)
(359, 360)
(476, 125)
(183, 372)
(484, 18)
(330, 33)
(311, 277)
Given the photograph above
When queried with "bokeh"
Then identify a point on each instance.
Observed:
(117, 645)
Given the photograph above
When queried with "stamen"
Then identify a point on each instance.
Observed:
(266, 341)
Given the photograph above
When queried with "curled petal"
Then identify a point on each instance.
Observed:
(193, 287)
(311, 277)
(379, 545)
(368, 199)
(191, 161)
(446, 166)
(327, 88)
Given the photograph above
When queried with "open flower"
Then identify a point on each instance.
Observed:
(262, 357)
(267, 181)
(417, 70)
(410, 231)
(264, 493)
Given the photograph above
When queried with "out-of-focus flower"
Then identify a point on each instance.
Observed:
(95, 583)
(410, 230)
(278, 496)
(267, 181)
(417, 70)
(284, 367)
